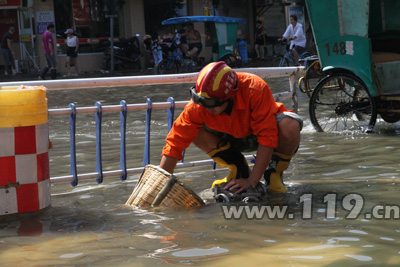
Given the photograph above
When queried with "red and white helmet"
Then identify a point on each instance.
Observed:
(217, 80)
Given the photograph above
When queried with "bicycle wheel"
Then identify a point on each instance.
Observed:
(341, 102)
(284, 62)
(168, 66)
(231, 60)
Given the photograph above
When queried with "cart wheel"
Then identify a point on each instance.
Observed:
(390, 117)
(232, 60)
(342, 102)
(168, 66)
(384, 108)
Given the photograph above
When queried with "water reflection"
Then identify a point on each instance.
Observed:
(90, 225)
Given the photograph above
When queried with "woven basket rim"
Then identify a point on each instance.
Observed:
(179, 186)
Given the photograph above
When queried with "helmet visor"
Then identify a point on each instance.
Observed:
(207, 102)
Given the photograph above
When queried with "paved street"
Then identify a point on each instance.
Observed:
(128, 72)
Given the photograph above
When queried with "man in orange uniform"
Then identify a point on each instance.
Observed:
(232, 112)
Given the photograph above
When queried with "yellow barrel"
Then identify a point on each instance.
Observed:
(23, 106)
(24, 142)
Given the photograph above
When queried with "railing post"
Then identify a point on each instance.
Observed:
(171, 112)
(122, 159)
(72, 134)
(99, 163)
(146, 156)
(292, 83)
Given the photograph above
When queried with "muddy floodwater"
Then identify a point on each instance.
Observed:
(342, 208)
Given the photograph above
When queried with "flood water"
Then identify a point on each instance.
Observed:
(89, 224)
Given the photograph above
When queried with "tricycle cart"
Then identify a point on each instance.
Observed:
(223, 31)
(358, 44)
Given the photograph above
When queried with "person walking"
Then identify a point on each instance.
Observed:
(231, 112)
(49, 53)
(72, 52)
(261, 40)
(8, 52)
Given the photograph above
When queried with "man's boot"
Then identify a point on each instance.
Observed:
(53, 73)
(43, 73)
(273, 174)
(227, 156)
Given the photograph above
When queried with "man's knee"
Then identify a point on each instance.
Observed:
(289, 127)
(206, 140)
(289, 135)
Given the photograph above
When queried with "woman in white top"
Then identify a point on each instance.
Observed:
(295, 34)
(72, 51)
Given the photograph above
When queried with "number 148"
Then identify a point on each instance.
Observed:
(338, 48)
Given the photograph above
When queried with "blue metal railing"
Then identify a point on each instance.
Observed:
(146, 156)
(72, 129)
(99, 162)
(124, 108)
(122, 161)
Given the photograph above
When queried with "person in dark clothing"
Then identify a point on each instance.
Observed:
(194, 38)
(8, 52)
(261, 40)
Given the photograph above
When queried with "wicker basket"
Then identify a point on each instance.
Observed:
(156, 187)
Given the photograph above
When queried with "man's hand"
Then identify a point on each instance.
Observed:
(238, 184)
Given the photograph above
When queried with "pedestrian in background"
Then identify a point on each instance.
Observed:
(261, 40)
(72, 52)
(8, 52)
(49, 53)
(194, 38)
(156, 49)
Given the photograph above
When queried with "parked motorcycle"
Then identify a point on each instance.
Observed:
(127, 51)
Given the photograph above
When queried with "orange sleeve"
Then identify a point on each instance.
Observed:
(263, 109)
(183, 132)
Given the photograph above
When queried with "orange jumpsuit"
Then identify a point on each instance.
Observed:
(253, 112)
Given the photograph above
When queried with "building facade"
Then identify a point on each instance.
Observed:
(92, 19)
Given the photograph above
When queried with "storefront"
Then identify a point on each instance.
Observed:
(91, 21)
(17, 14)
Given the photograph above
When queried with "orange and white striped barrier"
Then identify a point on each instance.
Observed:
(24, 144)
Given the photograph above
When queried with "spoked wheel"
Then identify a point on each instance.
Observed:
(284, 62)
(232, 61)
(168, 66)
(342, 102)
